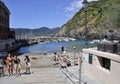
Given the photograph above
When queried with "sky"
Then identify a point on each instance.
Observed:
(41, 13)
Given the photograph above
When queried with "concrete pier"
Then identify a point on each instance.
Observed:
(42, 72)
(38, 76)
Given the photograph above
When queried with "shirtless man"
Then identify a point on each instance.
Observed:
(9, 64)
(12, 65)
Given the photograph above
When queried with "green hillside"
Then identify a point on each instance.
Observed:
(43, 31)
(103, 16)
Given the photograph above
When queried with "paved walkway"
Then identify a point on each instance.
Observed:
(39, 76)
(47, 76)
(44, 72)
(85, 78)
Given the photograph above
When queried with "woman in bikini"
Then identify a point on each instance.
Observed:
(19, 67)
(27, 64)
(15, 64)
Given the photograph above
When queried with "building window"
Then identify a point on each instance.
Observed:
(90, 58)
(104, 62)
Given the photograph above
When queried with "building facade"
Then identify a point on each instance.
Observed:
(5, 32)
(7, 37)
(102, 66)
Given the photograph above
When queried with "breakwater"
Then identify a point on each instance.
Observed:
(20, 43)
(11, 45)
(37, 40)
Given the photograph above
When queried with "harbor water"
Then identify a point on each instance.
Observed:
(54, 47)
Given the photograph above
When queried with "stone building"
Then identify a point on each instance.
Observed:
(5, 32)
(7, 37)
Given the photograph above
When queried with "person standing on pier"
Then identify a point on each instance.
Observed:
(74, 48)
(1, 67)
(63, 49)
(15, 64)
(12, 65)
(19, 67)
(9, 64)
(27, 64)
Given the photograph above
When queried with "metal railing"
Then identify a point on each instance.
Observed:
(71, 76)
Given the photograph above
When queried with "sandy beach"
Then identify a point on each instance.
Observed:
(42, 60)
(38, 60)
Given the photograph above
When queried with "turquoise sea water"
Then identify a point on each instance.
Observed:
(54, 47)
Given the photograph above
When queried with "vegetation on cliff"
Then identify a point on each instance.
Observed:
(103, 19)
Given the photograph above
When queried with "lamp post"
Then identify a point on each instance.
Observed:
(85, 4)
(80, 66)
(112, 35)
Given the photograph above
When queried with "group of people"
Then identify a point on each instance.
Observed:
(63, 58)
(13, 65)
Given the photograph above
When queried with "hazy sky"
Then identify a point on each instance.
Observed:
(41, 13)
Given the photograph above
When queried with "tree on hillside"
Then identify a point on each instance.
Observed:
(118, 21)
